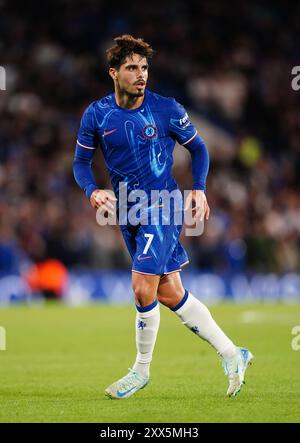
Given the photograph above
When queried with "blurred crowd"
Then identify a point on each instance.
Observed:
(231, 65)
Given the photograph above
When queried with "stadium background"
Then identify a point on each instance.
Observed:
(230, 65)
(233, 73)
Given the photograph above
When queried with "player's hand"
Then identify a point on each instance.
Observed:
(104, 200)
(200, 208)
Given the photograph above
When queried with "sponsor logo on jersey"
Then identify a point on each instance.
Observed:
(184, 122)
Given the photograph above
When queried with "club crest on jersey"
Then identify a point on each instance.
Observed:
(149, 131)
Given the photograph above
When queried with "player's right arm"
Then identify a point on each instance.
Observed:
(86, 146)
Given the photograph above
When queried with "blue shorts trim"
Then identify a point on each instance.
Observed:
(165, 273)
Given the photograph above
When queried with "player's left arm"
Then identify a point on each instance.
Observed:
(187, 135)
(200, 167)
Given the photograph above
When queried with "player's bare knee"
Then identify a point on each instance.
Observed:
(142, 293)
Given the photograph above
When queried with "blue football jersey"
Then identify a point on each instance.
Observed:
(137, 144)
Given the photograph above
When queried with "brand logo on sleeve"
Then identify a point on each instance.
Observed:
(149, 131)
(184, 121)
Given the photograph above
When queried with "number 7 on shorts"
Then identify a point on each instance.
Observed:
(149, 241)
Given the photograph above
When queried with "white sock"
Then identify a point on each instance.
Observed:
(147, 324)
(198, 319)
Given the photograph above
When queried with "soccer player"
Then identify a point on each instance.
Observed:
(136, 130)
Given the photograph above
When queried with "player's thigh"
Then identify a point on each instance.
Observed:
(170, 289)
(145, 288)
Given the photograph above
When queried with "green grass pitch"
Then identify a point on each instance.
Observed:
(59, 360)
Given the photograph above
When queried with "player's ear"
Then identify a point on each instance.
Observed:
(113, 73)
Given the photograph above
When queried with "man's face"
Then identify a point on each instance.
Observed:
(132, 75)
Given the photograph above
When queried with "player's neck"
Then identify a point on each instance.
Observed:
(128, 101)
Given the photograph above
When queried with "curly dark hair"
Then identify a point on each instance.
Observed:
(127, 45)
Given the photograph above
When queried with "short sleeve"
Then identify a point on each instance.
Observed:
(180, 126)
(87, 135)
